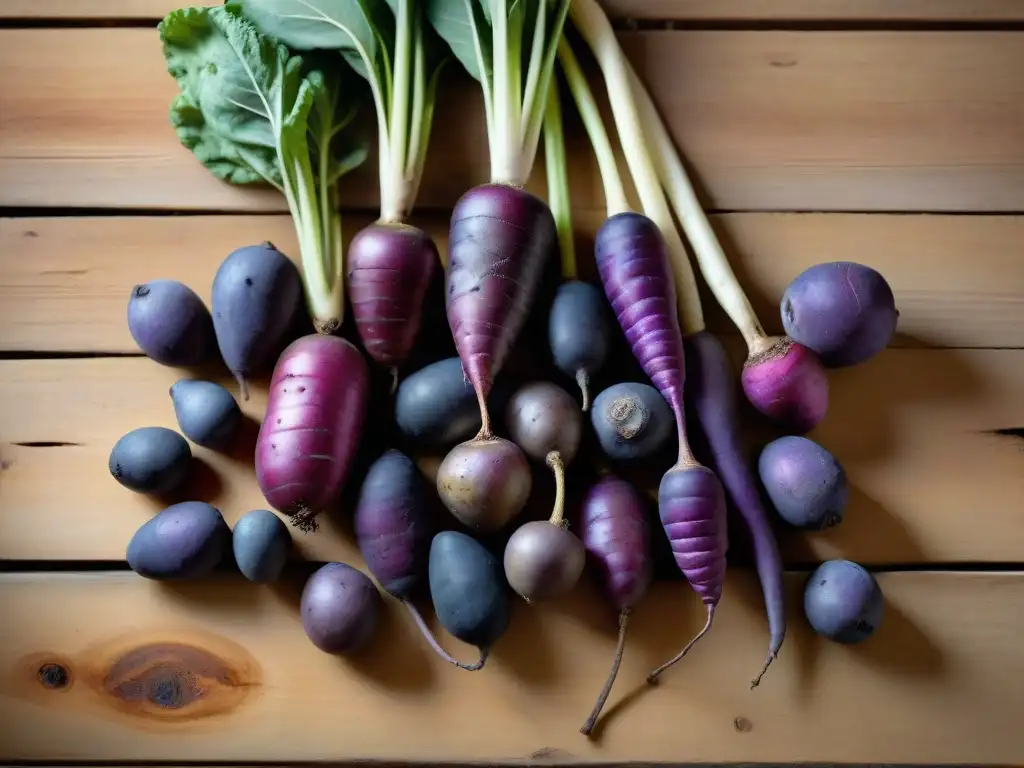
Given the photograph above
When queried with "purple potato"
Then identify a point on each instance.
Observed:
(340, 609)
(579, 327)
(261, 542)
(436, 406)
(843, 311)
(206, 412)
(170, 323)
(843, 602)
(184, 541)
(631, 421)
(257, 291)
(150, 460)
(805, 483)
(484, 482)
(541, 417)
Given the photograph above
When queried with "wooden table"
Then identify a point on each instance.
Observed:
(889, 132)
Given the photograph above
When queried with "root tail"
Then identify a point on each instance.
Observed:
(583, 380)
(602, 697)
(653, 677)
(304, 519)
(432, 640)
(767, 663)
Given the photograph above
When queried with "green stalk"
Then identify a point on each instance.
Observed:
(536, 60)
(614, 193)
(535, 108)
(558, 182)
(424, 99)
(504, 154)
(395, 208)
(595, 28)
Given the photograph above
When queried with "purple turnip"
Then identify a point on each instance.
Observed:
(543, 558)
(617, 540)
(631, 420)
(340, 609)
(844, 311)
(313, 425)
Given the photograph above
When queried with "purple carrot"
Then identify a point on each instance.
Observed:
(390, 267)
(713, 396)
(617, 541)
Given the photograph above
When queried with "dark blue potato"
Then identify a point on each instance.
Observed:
(261, 542)
(150, 460)
(184, 541)
(843, 602)
(631, 420)
(578, 330)
(468, 590)
(436, 406)
(207, 413)
(170, 323)
(340, 608)
(256, 292)
(804, 482)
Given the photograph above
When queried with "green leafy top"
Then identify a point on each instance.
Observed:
(390, 45)
(252, 112)
(487, 37)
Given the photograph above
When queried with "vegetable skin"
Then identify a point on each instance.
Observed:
(170, 324)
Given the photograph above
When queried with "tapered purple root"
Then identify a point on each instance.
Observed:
(713, 395)
(632, 260)
(432, 640)
(500, 239)
(691, 504)
(787, 383)
(389, 272)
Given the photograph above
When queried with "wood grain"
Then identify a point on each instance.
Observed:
(867, 121)
(683, 10)
(915, 430)
(959, 280)
(938, 682)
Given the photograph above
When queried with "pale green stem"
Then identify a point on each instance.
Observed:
(614, 193)
(395, 209)
(558, 182)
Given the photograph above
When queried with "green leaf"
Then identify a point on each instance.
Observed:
(464, 26)
(363, 31)
(330, 117)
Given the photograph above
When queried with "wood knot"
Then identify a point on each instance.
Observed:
(742, 725)
(54, 676)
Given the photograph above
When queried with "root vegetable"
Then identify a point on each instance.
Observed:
(261, 542)
(394, 530)
(170, 323)
(713, 396)
(316, 408)
(844, 311)
(468, 591)
(544, 559)
(436, 406)
(340, 609)
(484, 483)
(150, 460)
(501, 235)
(806, 484)
(616, 537)
(782, 379)
(206, 412)
(631, 421)
(843, 602)
(184, 541)
(650, 284)
(256, 292)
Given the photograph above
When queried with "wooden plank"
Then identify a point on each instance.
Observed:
(52, 269)
(937, 684)
(683, 10)
(768, 120)
(915, 430)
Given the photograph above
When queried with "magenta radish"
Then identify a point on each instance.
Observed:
(713, 396)
(650, 284)
(390, 262)
(617, 540)
(316, 407)
(501, 235)
(394, 530)
(782, 379)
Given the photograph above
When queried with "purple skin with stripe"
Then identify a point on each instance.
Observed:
(316, 407)
(389, 271)
(616, 539)
(712, 394)
(633, 263)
